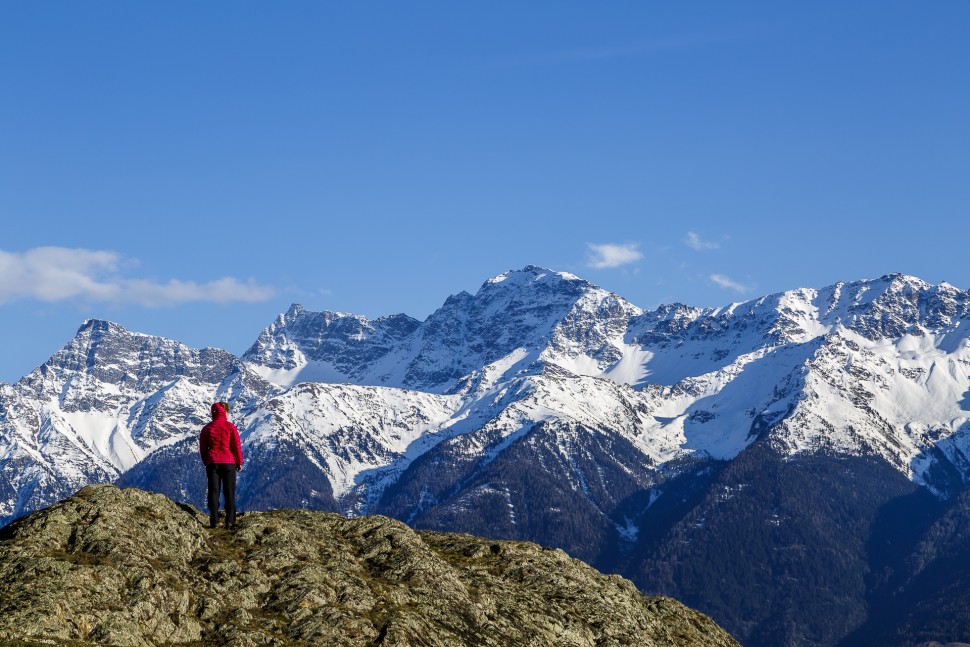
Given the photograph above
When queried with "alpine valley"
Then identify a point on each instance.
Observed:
(795, 466)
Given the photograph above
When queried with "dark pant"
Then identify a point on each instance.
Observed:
(224, 475)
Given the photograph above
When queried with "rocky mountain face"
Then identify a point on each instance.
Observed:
(514, 320)
(725, 456)
(126, 567)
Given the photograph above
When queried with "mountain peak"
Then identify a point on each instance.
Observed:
(531, 273)
(899, 281)
(901, 276)
(100, 325)
(94, 331)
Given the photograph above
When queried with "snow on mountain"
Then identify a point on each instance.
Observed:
(905, 399)
(515, 320)
(348, 430)
(713, 380)
(876, 366)
(363, 437)
(302, 346)
(104, 403)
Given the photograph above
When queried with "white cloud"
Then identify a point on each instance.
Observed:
(730, 284)
(610, 255)
(694, 241)
(61, 273)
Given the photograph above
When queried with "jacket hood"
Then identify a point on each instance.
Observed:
(218, 411)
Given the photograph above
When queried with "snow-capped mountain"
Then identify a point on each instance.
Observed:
(542, 407)
(515, 320)
(875, 366)
(104, 403)
(870, 366)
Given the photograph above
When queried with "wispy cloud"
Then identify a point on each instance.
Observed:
(608, 255)
(728, 283)
(694, 241)
(60, 274)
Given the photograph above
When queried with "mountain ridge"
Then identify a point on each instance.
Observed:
(675, 357)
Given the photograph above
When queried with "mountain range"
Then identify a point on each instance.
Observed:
(795, 466)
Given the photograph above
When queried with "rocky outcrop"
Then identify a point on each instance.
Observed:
(113, 566)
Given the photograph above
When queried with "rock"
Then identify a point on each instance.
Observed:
(126, 567)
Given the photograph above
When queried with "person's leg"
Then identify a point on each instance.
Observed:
(212, 475)
(229, 493)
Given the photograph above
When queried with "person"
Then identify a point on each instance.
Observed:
(222, 456)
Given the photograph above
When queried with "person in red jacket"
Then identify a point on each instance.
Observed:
(222, 455)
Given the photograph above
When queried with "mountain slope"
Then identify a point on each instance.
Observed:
(143, 570)
(779, 549)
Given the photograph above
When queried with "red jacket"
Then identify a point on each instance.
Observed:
(219, 440)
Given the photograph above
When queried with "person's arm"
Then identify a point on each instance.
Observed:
(235, 445)
(204, 446)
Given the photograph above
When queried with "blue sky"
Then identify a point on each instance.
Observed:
(191, 169)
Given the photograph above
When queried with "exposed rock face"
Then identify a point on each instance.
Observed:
(346, 343)
(126, 567)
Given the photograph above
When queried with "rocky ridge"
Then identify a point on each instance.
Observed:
(113, 566)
